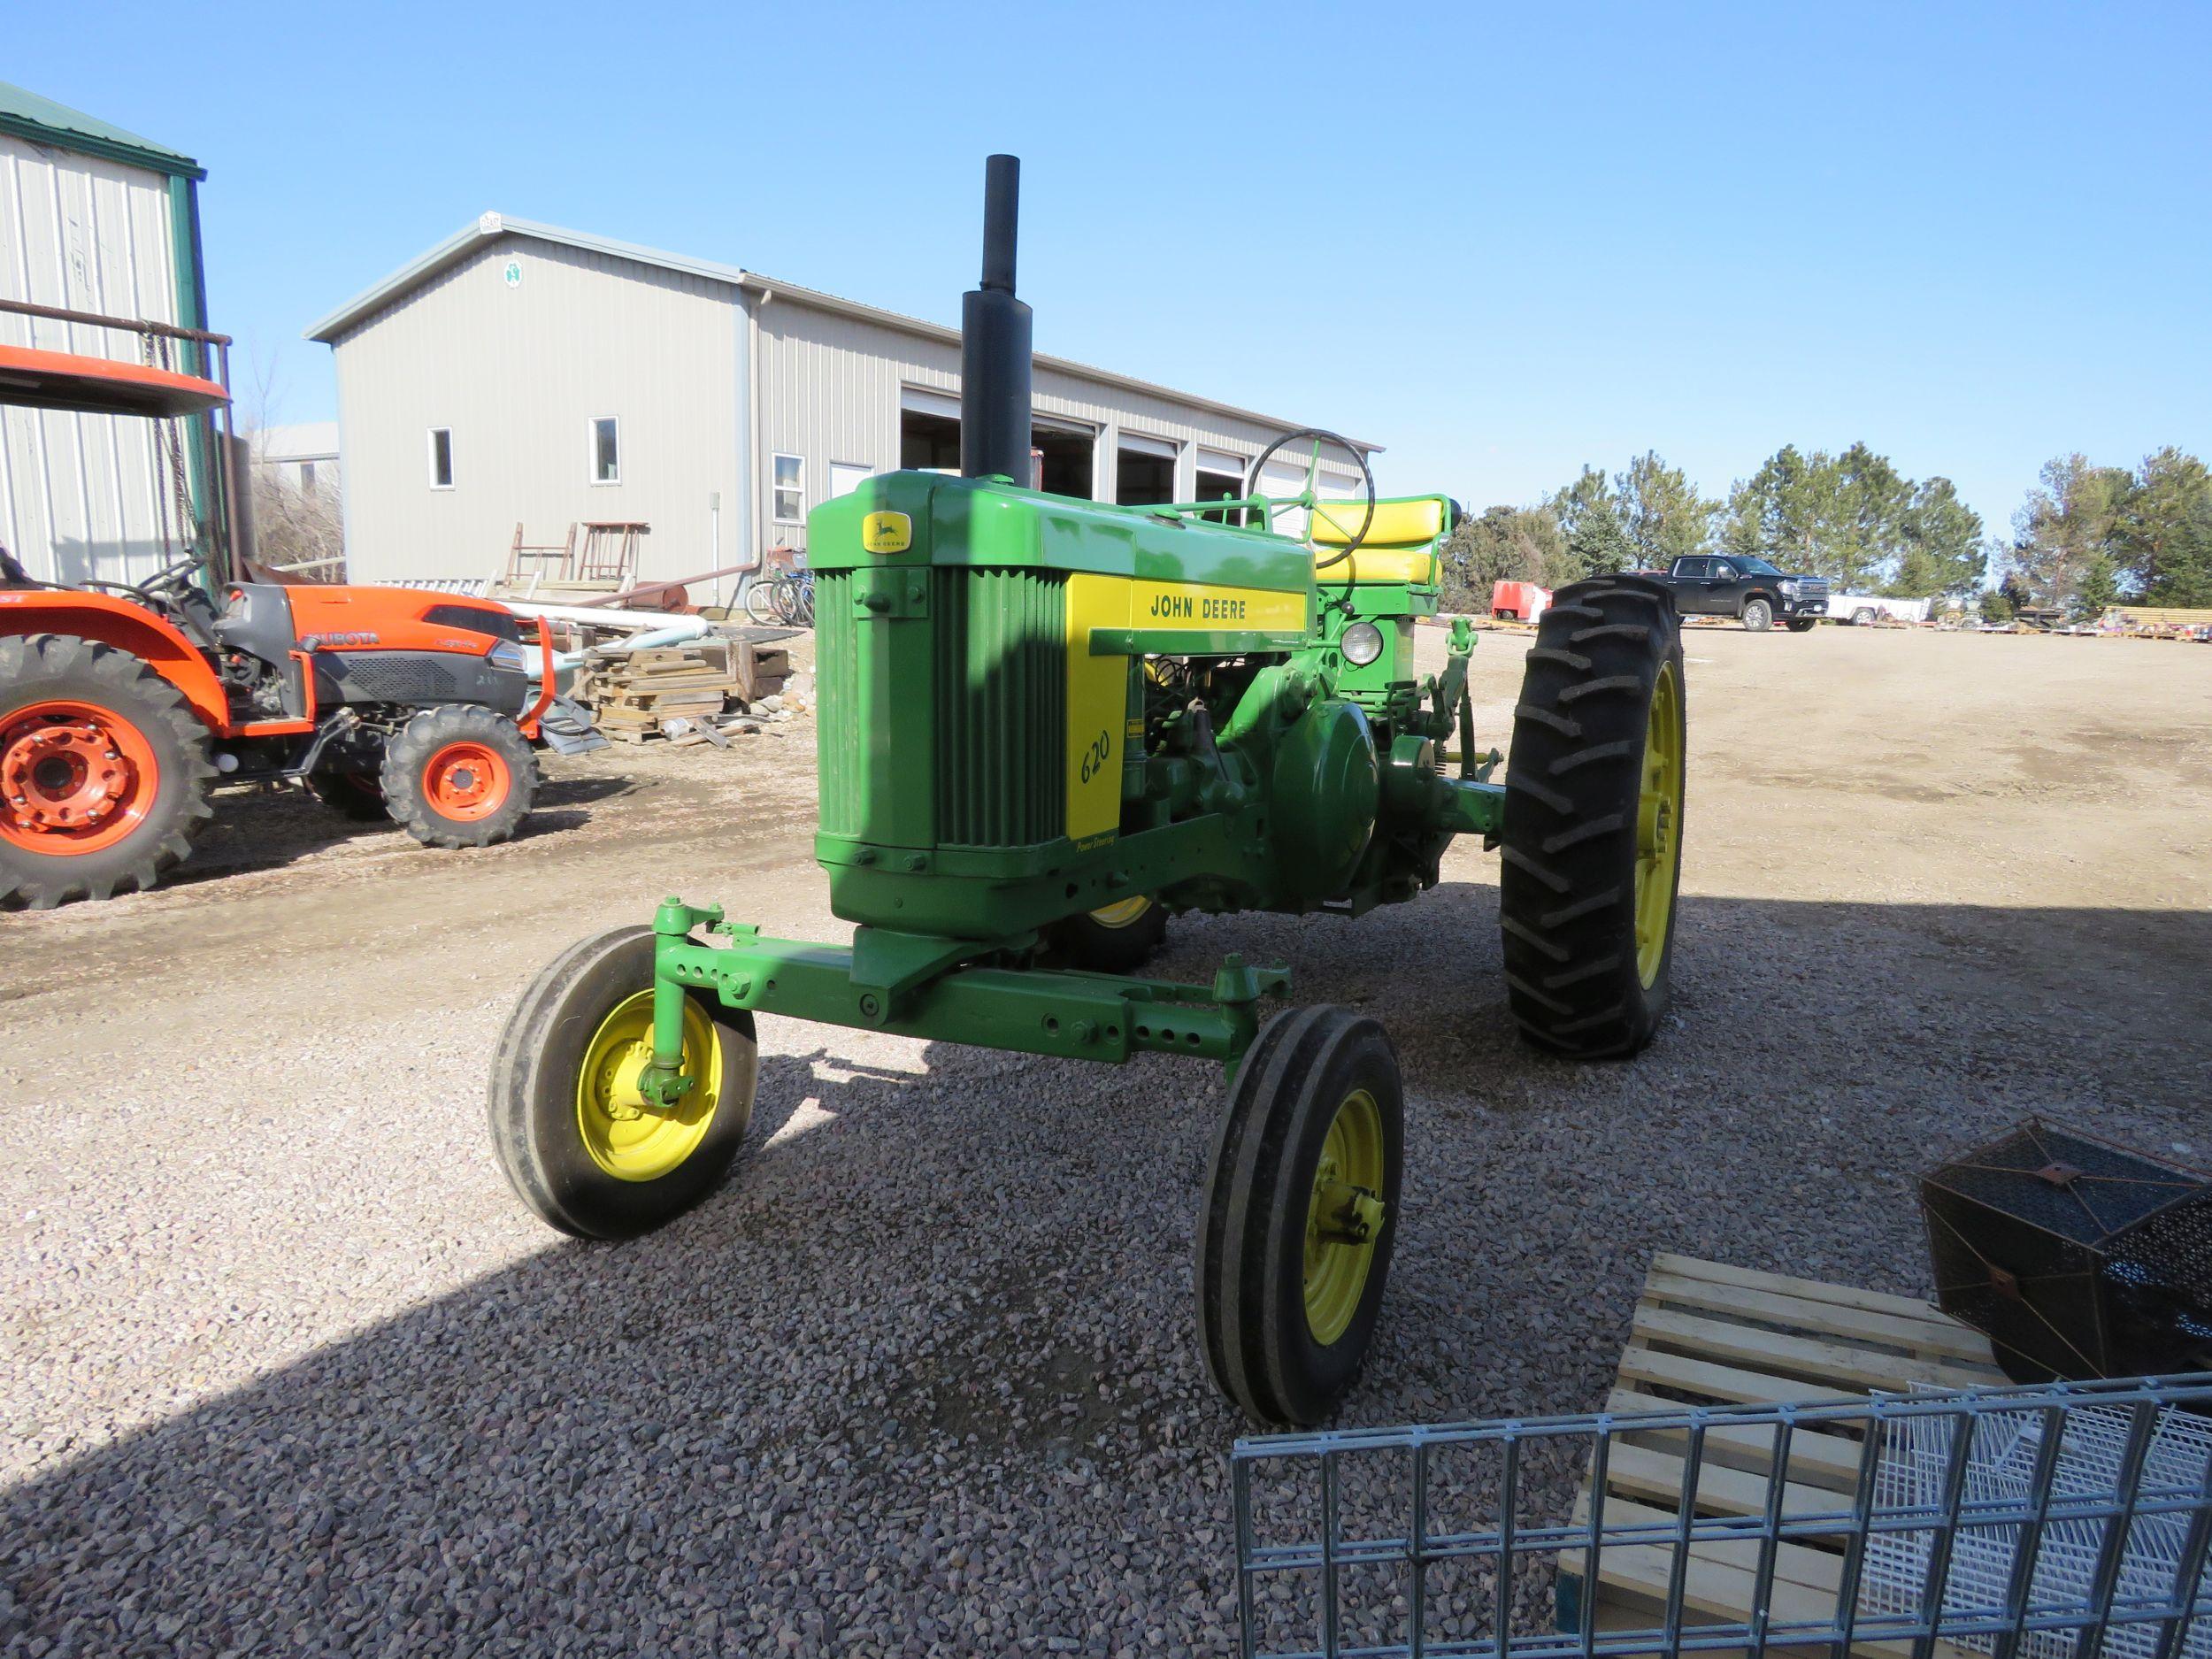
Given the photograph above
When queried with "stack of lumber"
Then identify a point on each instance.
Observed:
(1709, 1334)
(2165, 621)
(638, 695)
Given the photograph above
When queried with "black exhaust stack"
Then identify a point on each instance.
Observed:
(995, 405)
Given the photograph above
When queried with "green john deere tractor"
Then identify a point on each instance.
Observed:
(1046, 725)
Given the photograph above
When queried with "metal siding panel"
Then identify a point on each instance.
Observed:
(830, 388)
(518, 373)
(80, 494)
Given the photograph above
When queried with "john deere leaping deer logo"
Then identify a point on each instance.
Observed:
(886, 533)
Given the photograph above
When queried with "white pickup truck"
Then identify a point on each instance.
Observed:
(1859, 610)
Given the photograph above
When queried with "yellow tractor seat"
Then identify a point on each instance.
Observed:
(1400, 541)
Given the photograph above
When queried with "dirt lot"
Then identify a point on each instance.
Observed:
(285, 1367)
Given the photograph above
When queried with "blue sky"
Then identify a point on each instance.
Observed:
(1499, 241)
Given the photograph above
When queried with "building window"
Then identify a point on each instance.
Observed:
(790, 491)
(442, 457)
(1220, 478)
(1144, 471)
(307, 478)
(606, 450)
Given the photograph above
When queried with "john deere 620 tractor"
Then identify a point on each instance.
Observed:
(1048, 725)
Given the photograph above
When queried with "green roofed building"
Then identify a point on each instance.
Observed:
(95, 218)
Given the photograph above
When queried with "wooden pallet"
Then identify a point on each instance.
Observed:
(631, 694)
(1709, 1334)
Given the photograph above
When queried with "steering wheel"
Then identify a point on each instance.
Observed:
(174, 576)
(1308, 499)
(164, 593)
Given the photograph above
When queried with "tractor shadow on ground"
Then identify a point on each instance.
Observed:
(897, 1243)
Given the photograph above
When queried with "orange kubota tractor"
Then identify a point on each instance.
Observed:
(121, 705)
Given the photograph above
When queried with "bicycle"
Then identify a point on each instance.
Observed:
(781, 591)
(792, 596)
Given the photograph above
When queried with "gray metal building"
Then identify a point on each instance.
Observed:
(97, 220)
(522, 373)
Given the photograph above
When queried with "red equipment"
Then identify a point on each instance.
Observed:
(1518, 602)
(121, 705)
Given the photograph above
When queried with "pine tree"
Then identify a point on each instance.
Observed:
(1941, 550)
(1590, 516)
(1664, 516)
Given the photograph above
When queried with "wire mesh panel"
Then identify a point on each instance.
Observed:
(2070, 1520)
(2093, 1446)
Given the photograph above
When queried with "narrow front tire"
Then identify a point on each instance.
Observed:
(570, 1127)
(1299, 1214)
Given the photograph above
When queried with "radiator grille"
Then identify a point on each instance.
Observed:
(395, 677)
(1000, 706)
(839, 755)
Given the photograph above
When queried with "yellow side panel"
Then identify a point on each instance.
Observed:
(1098, 700)
(1201, 608)
(1098, 687)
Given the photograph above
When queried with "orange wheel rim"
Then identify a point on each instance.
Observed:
(466, 781)
(74, 778)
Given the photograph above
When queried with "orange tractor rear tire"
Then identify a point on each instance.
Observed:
(104, 772)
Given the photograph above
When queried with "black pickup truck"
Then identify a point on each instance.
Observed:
(1734, 585)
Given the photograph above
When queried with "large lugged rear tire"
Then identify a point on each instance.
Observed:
(459, 776)
(568, 1125)
(104, 772)
(1299, 1214)
(1593, 831)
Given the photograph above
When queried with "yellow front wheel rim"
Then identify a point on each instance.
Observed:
(1658, 825)
(625, 1137)
(1344, 1216)
(1123, 913)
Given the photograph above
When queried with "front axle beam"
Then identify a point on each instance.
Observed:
(1063, 1012)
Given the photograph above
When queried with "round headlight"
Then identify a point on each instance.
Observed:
(1363, 644)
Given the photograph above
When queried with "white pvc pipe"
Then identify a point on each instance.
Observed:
(680, 629)
(600, 617)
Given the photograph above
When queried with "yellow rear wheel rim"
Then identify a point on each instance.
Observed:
(1658, 825)
(1344, 1216)
(1122, 913)
(625, 1137)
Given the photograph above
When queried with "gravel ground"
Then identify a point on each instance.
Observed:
(287, 1371)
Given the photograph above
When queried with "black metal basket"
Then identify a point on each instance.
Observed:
(2078, 1258)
